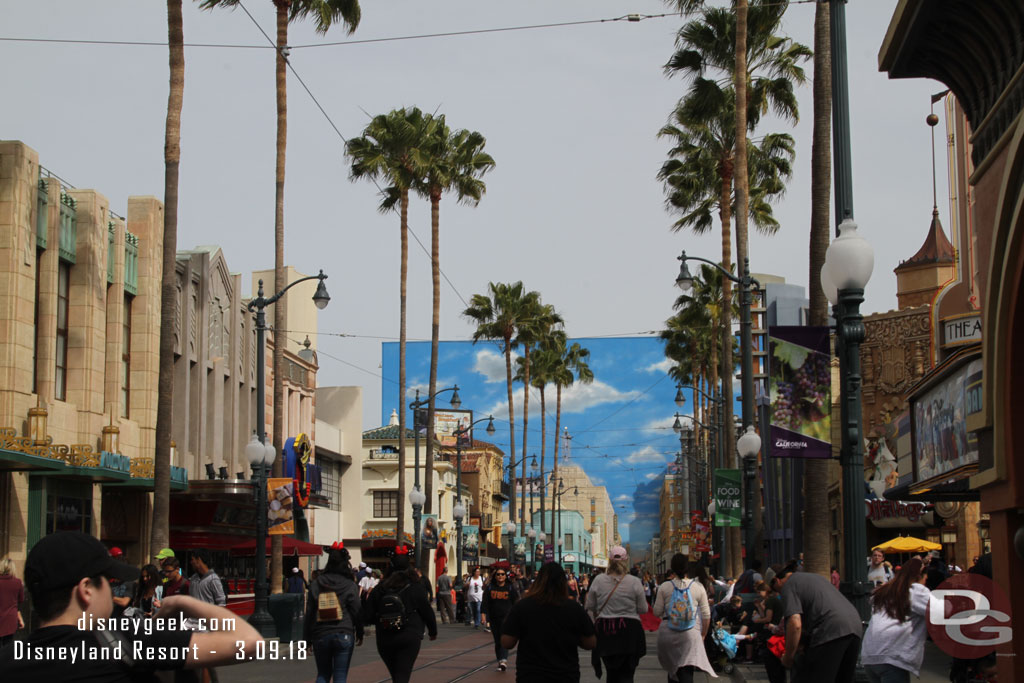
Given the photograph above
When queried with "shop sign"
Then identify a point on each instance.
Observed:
(895, 513)
(447, 421)
(385, 535)
(961, 330)
(800, 374)
(568, 558)
(728, 507)
(941, 441)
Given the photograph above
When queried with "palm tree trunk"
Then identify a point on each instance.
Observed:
(543, 438)
(281, 307)
(511, 429)
(816, 527)
(435, 328)
(403, 286)
(526, 422)
(742, 179)
(160, 531)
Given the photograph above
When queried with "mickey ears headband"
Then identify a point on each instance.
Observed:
(337, 545)
(401, 550)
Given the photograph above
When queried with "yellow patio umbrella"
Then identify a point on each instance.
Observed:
(907, 544)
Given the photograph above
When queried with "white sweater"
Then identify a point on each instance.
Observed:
(900, 644)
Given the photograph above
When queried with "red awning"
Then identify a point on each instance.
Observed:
(290, 546)
(191, 540)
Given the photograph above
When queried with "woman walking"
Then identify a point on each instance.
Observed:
(399, 608)
(682, 603)
(499, 596)
(474, 596)
(12, 594)
(148, 592)
(548, 627)
(893, 645)
(616, 600)
(333, 624)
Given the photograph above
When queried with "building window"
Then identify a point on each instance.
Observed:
(568, 542)
(126, 354)
(385, 503)
(330, 482)
(61, 365)
(66, 513)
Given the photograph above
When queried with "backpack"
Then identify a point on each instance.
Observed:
(681, 612)
(328, 608)
(391, 612)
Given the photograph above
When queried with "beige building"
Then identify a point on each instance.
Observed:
(339, 455)
(483, 482)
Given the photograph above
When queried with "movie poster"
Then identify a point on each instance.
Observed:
(519, 549)
(428, 532)
(701, 529)
(941, 441)
(279, 506)
(800, 372)
(447, 421)
(470, 542)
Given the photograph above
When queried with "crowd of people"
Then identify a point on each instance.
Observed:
(798, 624)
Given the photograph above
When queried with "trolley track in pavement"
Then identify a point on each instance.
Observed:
(440, 660)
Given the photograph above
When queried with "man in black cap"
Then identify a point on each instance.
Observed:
(68, 576)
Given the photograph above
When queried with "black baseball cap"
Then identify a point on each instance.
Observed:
(64, 558)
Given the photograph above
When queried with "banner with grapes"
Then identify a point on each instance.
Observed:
(799, 367)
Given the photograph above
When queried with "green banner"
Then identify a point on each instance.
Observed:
(728, 498)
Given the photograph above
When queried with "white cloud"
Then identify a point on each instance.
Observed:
(491, 365)
(597, 481)
(575, 399)
(623, 498)
(651, 476)
(618, 462)
(662, 366)
(661, 422)
(647, 454)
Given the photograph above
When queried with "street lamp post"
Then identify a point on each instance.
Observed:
(459, 511)
(531, 533)
(416, 496)
(746, 284)
(747, 446)
(848, 265)
(261, 619)
(556, 525)
(510, 528)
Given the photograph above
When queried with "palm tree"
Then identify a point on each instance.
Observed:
(572, 367)
(450, 162)
(542, 366)
(325, 13)
(816, 530)
(540, 322)
(160, 534)
(498, 315)
(387, 151)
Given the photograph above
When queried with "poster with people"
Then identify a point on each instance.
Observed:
(470, 542)
(447, 421)
(701, 529)
(428, 532)
(941, 441)
(800, 384)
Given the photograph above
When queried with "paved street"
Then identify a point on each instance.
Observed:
(461, 654)
(458, 654)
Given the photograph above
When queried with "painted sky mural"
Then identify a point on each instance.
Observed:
(619, 426)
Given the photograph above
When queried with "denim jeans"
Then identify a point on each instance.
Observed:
(333, 653)
(474, 612)
(886, 673)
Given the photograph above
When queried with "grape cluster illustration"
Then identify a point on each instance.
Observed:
(801, 396)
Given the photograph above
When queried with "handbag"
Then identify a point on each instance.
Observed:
(605, 603)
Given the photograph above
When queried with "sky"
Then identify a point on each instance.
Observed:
(570, 114)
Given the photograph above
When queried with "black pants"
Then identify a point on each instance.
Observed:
(684, 674)
(398, 652)
(496, 621)
(830, 662)
(620, 668)
(773, 667)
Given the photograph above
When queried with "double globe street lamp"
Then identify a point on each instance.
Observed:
(416, 497)
(459, 510)
(261, 619)
(849, 262)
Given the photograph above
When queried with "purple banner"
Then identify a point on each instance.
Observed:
(549, 552)
(800, 372)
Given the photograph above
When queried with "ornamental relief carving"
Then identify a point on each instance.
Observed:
(895, 353)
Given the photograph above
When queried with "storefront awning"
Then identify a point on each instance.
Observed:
(958, 490)
(290, 546)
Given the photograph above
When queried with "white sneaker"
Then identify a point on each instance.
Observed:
(502, 665)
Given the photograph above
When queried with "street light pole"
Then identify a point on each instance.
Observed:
(416, 496)
(261, 619)
(459, 511)
(848, 265)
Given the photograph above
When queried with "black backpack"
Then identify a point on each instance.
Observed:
(391, 612)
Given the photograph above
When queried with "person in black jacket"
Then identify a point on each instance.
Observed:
(399, 610)
(334, 640)
(499, 596)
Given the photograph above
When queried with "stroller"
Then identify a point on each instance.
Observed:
(720, 646)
